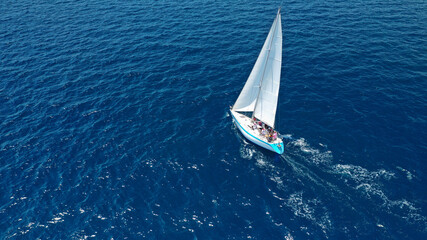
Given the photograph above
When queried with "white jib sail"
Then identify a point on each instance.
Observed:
(266, 104)
(269, 60)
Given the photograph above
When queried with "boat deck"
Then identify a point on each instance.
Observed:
(247, 123)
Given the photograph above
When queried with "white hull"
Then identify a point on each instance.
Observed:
(244, 124)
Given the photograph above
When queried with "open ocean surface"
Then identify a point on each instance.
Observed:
(114, 120)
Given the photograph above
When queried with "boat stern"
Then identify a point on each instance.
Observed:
(278, 147)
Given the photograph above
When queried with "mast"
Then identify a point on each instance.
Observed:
(266, 59)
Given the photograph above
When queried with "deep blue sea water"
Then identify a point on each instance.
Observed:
(114, 120)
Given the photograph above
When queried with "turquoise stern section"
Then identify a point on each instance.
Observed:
(278, 148)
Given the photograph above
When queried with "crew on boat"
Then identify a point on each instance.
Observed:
(264, 130)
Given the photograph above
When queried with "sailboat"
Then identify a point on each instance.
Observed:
(254, 112)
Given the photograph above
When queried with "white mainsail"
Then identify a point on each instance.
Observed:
(261, 91)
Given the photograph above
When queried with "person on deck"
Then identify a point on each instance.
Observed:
(255, 126)
(274, 135)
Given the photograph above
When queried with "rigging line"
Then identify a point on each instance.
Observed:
(268, 55)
